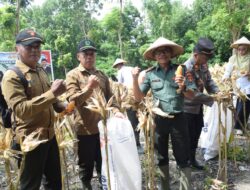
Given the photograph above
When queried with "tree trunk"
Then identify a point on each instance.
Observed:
(17, 16)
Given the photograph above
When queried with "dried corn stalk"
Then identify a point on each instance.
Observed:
(104, 108)
(146, 115)
(228, 89)
(6, 154)
(66, 139)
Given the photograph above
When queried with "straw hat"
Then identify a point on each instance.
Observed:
(118, 61)
(163, 42)
(241, 41)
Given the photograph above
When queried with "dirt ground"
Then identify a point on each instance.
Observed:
(238, 176)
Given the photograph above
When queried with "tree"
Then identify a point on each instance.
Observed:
(7, 28)
(63, 23)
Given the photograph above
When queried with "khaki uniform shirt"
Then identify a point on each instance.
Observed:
(34, 113)
(85, 120)
(164, 88)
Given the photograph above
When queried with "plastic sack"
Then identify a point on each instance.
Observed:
(124, 163)
(210, 132)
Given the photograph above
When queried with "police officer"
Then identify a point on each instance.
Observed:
(198, 67)
(164, 84)
(33, 112)
(82, 81)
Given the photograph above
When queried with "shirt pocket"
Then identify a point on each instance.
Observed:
(156, 84)
(173, 84)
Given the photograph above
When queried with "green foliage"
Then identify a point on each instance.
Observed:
(127, 33)
(238, 152)
(64, 59)
(7, 28)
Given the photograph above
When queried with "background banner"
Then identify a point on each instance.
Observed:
(8, 59)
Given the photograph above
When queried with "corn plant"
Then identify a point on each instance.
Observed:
(146, 115)
(104, 108)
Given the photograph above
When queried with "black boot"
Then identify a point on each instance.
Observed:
(164, 177)
(194, 163)
(86, 185)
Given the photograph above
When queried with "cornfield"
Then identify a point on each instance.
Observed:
(146, 111)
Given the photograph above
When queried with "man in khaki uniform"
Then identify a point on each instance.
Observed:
(33, 112)
(165, 85)
(81, 83)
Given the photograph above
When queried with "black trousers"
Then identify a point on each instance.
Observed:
(134, 122)
(178, 131)
(240, 112)
(89, 153)
(42, 163)
(195, 123)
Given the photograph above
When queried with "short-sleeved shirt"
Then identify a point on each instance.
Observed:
(34, 113)
(164, 88)
(76, 80)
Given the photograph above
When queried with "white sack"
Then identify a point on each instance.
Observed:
(124, 163)
(210, 132)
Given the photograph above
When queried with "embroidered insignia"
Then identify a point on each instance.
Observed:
(196, 67)
(87, 43)
(189, 76)
(156, 80)
(31, 32)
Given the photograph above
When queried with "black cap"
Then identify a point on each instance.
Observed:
(28, 36)
(205, 46)
(86, 44)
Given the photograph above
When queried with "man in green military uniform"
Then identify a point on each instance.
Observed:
(164, 84)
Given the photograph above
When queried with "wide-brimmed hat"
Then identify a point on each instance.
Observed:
(28, 36)
(163, 42)
(204, 46)
(118, 61)
(241, 41)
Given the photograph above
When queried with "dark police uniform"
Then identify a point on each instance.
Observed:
(194, 108)
(164, 89)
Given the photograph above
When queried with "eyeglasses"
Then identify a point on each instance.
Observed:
(162, 51)
(32, 47)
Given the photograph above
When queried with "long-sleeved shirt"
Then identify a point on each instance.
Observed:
(76, 80)
(239, 64)
(203, 80)
(33, 113)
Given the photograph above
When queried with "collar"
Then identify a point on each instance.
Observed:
(158, 67)
(83, 69)
(25, 68)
